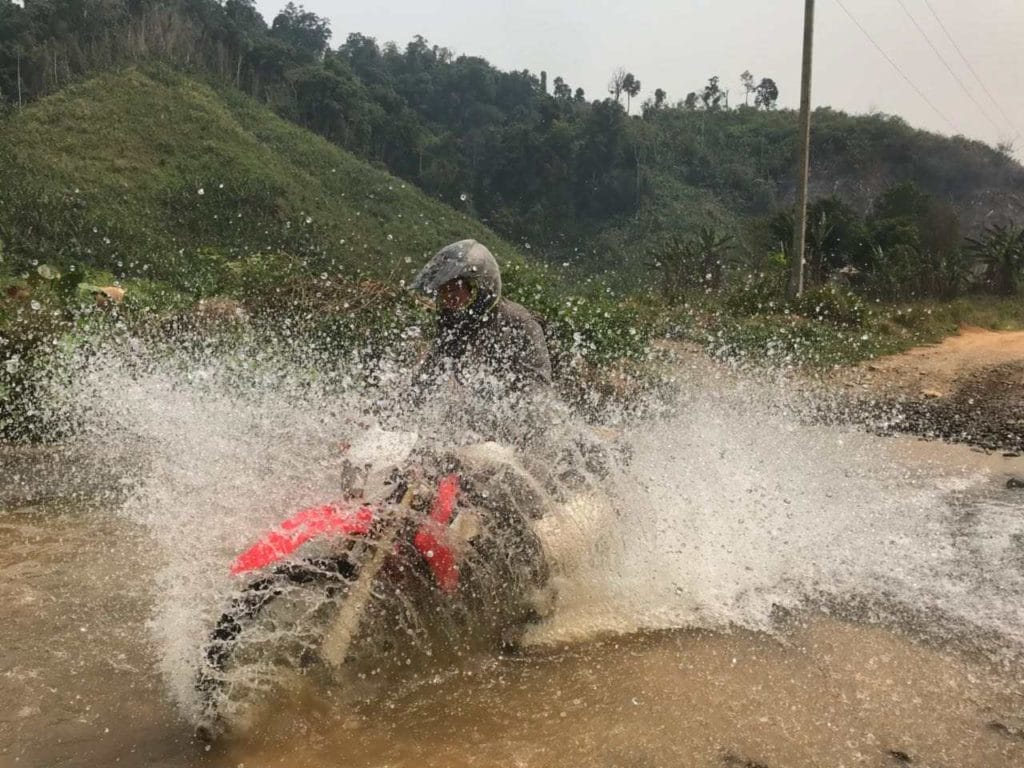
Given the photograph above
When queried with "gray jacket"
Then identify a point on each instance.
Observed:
(505, 347)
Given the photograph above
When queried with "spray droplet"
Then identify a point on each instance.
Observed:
(201, 191)
(463, 197)
(36, 306)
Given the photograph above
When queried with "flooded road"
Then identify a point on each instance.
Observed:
(81, 685)
(822, 693)
(765, 593)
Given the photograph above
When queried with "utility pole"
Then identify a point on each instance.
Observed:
(796, 277)
(19, 77)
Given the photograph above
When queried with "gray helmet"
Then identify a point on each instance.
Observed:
(466, 260)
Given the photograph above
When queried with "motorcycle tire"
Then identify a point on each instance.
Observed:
(270, 629)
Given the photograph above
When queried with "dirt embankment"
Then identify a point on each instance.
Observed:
(968, 388)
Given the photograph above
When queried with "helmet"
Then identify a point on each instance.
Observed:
(467, 260)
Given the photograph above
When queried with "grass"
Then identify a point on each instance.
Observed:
(151, 175)
(178, 190)
(821, 341)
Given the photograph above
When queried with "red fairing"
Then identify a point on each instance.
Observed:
(329, 519)
(431, 539)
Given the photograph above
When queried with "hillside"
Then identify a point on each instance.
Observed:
(578, 178)
(179, 191)
(148, 175)
(745, 156)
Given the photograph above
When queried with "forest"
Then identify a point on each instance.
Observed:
(688, 193)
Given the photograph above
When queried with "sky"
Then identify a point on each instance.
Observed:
(678, 44)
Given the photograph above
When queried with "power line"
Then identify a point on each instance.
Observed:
(946, 64)
(974, 72)
(897, 67)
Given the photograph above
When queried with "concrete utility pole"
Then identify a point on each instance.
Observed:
(796, 277)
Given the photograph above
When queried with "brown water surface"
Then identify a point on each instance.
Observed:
(78, 688)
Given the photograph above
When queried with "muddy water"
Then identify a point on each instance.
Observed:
(79, 686)
(824, 693)
(766, 593)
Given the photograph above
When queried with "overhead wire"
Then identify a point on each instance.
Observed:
(945, 63)
(973, 71)
(896, 66)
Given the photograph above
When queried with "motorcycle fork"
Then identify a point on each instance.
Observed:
(342, 632)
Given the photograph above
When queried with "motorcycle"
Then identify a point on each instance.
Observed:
(424, 550)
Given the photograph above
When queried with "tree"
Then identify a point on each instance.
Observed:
(693, 261)
(690, 102)
(767, 94)
(1001, 250)
(747, 80)
(14, 28)
(305, 32)
(617, 84)
(712, 248)
(364, 56)
(631, 87)
(561, 89)
(835, 237)
(579, 95)
(916, 240)
(656, 104)
(712, 95)
(245, 25)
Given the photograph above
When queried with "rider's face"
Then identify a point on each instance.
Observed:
(454, 295)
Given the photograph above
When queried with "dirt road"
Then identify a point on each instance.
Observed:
(968, 388)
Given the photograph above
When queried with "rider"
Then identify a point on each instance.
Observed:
(480, 334)
(496, 349)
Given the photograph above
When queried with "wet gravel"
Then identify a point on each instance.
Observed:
(986, 411)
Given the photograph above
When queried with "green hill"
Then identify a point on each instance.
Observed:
(153, 178)
(180, 191)
(584, 181)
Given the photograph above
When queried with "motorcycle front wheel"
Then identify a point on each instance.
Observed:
(271, 630)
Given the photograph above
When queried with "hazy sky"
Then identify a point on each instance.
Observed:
(678, 44)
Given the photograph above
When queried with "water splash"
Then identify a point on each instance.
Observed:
(731, 507)
(736, 510)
